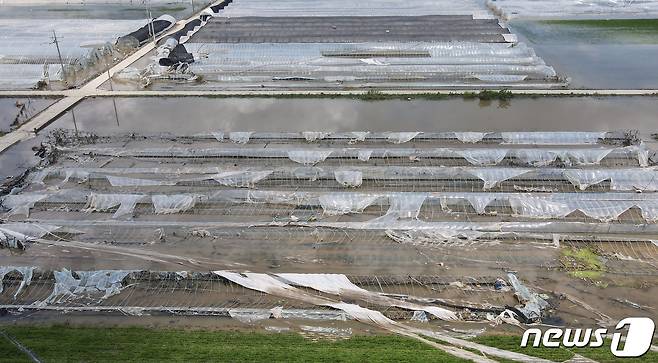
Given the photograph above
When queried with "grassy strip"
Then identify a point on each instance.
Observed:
(9, 352)
(632, 25)
(61, 343)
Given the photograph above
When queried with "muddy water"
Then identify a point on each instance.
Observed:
(193, 115)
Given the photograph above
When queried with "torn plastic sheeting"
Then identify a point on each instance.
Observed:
(420, 316)
(401, 137)
(349, 178)
(346, 203)
(14, 235)
(536, 157)
(435, 236)
(342, 333)
(622, 179)
(364, 155)
(338, 284)
(248, 316)
(25, 271)
(104, 202)
(218, 135)
(240, 137)
(492, 177)
(241, 179)
(119, 181)
(552, 138)
(470, 137)
(21, 203)
(313, 314)
(311, 136)
(403, 206)
(539, 207)
(308, 157)
(81, 175)
(480, 202)
(276, 197)
(89, 284)
(170, 204)
(483, 157)
(533, 304)
(358, 136)
(583, 157)
(649, 210)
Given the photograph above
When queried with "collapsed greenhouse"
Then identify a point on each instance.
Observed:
(156, 213)
(419, 44)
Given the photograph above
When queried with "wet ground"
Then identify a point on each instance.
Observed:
(592, 57)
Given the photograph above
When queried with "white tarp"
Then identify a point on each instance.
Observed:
(345, 203)
(104, 202)
(170, 204)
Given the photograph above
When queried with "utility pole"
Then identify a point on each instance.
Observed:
(114, 102)
(151, 27)
(59, 54)
(193, 7)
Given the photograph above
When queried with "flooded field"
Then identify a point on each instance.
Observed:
(457, 114)
(594, 57)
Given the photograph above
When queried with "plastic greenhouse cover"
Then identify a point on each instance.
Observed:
(117, 181)
(470, 137)
(492, 177)
(15, 233)
(349, 178)
(169, 204)
(25, 271)
(311, 136)
(346, 203)
(401, 137)
(241, 179)
(338, 284)
(308, 157)
(99, 284)
(21, 203)
(240, 137)
(104, 202)
(552, 138)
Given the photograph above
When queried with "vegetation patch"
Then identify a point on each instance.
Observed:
(62, 343)
(583, 263)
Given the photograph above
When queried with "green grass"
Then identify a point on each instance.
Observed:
(9, 352)
(633, 25)
(582, 263)
(61, 343)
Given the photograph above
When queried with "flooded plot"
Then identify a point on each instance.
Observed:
(144, 114)
(415, 44)
(596, 54)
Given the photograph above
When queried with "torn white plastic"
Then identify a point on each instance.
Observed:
(91, 284)
(533, 304)
(536, 157)
(26, 273)
(218, 135)
(346, 203)
(338, 284)
(171, 204)
(349, 178)
(104, 202)
(308, 157)
(480, 202)
(552, 138)
(15, 235)
(492, 177)
(405, 206)
(119, 181)
(240, 137)
(358, 136)
(241, 179)
(401, 137)
(311, 136)
(21, 204)
(483, 157)
(364, 155)
(470, 137)
(249, 316)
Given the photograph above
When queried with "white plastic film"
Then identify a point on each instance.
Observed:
(308, 157)
(240, 137)
(349, 178)
(346, 203)
(170, 204)
(241, 179)
(401, 137)
(104, 202)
